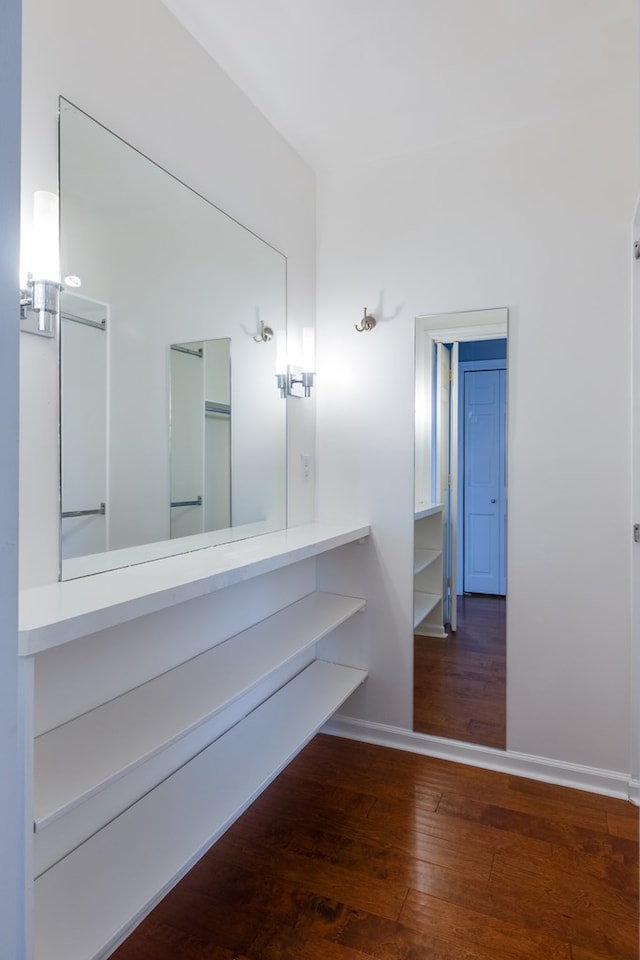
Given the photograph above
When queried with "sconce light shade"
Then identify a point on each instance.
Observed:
(45, 263)
(308, 360)
(292, 380)
(41, 297)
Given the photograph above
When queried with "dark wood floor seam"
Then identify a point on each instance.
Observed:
(402, 905)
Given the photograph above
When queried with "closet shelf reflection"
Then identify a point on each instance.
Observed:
(187, 503)
(97, 512)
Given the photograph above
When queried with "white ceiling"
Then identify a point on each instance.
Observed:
(344, 80)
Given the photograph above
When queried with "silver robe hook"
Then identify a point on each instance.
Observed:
(367, 323)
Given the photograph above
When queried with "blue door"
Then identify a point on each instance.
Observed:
(484, 481)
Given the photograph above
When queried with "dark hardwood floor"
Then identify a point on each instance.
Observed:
(460, 682)
(359, 852)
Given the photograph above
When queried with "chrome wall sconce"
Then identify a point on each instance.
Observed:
(295, 379)
(40, 294)
(300, 382)
(367, 323)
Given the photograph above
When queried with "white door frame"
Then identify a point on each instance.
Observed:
(635, 518)
(453, 488)
(446, 480)
(14, 830)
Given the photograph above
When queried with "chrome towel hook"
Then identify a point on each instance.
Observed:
(266, 334)
(367, 323)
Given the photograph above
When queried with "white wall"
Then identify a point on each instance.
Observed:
(112, 61)
(11, 778)
(538, 221)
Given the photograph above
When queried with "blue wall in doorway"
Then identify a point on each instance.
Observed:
(482, 350)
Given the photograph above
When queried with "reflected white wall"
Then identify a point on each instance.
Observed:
(186, 442)
(173, 269)
(84, 401)
(217, 436)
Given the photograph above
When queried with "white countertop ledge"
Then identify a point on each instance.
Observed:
(59, 612)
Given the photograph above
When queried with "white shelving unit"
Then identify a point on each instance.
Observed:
(135, 726)
(129, 794)
(93, 897)
(428, 606)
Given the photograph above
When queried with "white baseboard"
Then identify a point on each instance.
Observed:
(634, 791)
(606, 782)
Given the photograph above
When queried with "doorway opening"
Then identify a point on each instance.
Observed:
(469, 466)
(481, 462)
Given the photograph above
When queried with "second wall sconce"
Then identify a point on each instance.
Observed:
(295, 379)
(367, 323)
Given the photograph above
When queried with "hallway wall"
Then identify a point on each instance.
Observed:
(536, 219)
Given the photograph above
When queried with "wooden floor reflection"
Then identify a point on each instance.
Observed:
(460, 682)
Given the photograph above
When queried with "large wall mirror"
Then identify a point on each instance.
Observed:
(173, 431)
(460, 527)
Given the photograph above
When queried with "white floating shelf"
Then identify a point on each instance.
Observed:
(60, 612)
(91, 899)
(424, 559)
(82, 757)
(427, 629)
(429, 511)
(423, 604)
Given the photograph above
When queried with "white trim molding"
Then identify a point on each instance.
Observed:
(635, 511)
(592, 779)
(466, 325)
(634, 792)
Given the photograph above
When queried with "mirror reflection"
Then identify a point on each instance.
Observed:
(200, 425)
(83, 405)
(163, 269)
(460, 530)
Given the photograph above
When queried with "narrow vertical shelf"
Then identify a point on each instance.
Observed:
(428, 596)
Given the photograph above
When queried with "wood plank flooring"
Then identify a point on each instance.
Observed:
(360, 852)
(460, 682)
